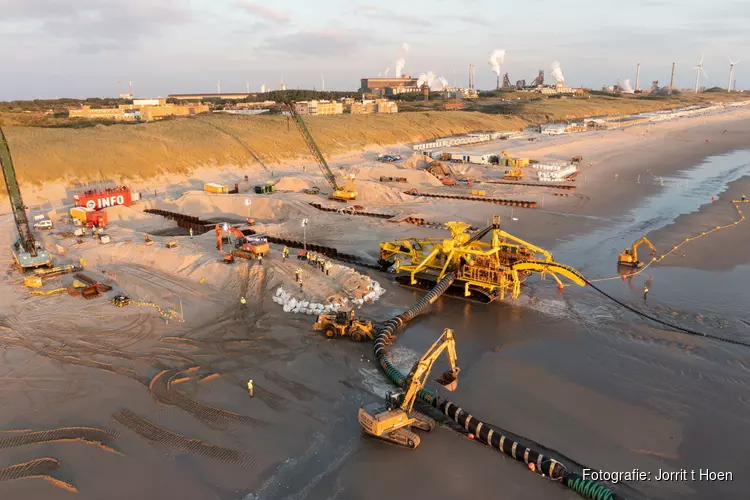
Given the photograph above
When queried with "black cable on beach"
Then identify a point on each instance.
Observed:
(665, 323)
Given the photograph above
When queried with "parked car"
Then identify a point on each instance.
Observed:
(389, 158)
(43, 224)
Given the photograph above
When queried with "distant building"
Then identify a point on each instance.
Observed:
(559, 88)
(211, 97)
(140, 110)
(314, 107)
(563, 128)
(388, 86)
(374, 106)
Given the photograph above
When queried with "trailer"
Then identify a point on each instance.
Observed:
(211, 187)
(97, 199)
(477, 158)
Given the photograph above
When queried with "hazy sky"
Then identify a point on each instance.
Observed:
(76, 48)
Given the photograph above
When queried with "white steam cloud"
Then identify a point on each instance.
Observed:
(401, 61)
(496, 59)
(435, 83)
(387, 70)
(626, 88)
(557, 72)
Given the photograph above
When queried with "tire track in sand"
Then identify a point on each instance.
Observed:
(178, 442)
(36, 469)
(161, 389)
(88, 435)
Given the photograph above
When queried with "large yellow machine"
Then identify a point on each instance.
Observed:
(484, 271)
(514, 171)
(629, 256)
(344, 192)
(344, 324)
(394, 420)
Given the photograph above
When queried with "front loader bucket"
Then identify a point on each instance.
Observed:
(448, 379)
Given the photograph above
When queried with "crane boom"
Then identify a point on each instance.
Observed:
(421, 370)
(314, 148)
(26, 238)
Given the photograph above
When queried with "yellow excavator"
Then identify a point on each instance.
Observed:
(629, 256)
(515, 164)
(393, 421)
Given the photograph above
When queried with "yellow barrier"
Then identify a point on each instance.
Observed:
(46, 292)
(476, 192)
(656, 260)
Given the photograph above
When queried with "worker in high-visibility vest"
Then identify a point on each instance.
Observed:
(298, 276)
(285, 253)
(243, 302)
(328, 267)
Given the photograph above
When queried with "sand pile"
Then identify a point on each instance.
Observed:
(211, 206)
(298, 184)
(379, 192)
(416, 161)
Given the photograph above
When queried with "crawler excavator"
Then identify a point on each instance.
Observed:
(28, 253)
(629, 256)
(340, 192)
(484, 271)
(247, 247)
(393, 421)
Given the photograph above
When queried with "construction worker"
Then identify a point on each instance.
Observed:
(645, 292)
(243, 302)
(250, 388)
(743, 198)
(313, 260)
(298, 276)
(260, 259)
(285, 253)
(191, 233)
(329, 265)
(321, 264)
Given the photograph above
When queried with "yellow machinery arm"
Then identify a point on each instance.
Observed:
(497, 234)
(634, 248)
(421, 370)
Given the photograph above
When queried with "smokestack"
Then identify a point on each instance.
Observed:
(638, 77)
(497, 87)
(671, 80)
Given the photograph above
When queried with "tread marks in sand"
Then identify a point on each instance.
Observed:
(178, 442)
(161, 389)
(39, 468)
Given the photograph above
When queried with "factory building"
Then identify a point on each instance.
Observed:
(312, 108)
(388, 86)
(374, 106)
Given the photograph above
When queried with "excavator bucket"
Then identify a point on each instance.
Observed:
(448, 379)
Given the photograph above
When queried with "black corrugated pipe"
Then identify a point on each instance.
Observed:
(482, 432)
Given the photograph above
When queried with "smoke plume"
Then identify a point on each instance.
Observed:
(557, 72)
(496, 59)
(435, 83)
(400, 63)
(626, 88)
(386, 72)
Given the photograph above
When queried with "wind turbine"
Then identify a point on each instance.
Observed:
(731, 73)
(698, 69)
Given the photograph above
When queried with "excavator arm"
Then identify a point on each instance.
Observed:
(634, 248)
(421, 370)
(313, 148)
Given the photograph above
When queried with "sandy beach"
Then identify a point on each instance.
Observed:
(151, 402)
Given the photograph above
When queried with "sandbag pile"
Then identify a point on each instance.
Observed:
(293, 305)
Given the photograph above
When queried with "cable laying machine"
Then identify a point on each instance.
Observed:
(485, 271)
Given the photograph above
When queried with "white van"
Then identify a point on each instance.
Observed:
(43, 224)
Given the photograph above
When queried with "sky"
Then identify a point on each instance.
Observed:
(83, 48)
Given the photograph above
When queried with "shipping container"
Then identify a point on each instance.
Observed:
(98, 219)
(215, 188)
(79, 213)
(103, 198)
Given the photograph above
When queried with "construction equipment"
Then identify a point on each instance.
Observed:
(629, 256)
(170, 244)
(344, 324)
(312, 190)
(393, 421)
(577, 160)
(515, 164)
(340, 193)
(484, 271)
(252, 245)
(226, 230)
(120, 300)
(27, 252)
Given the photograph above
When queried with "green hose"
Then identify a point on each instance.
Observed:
(586, 488)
